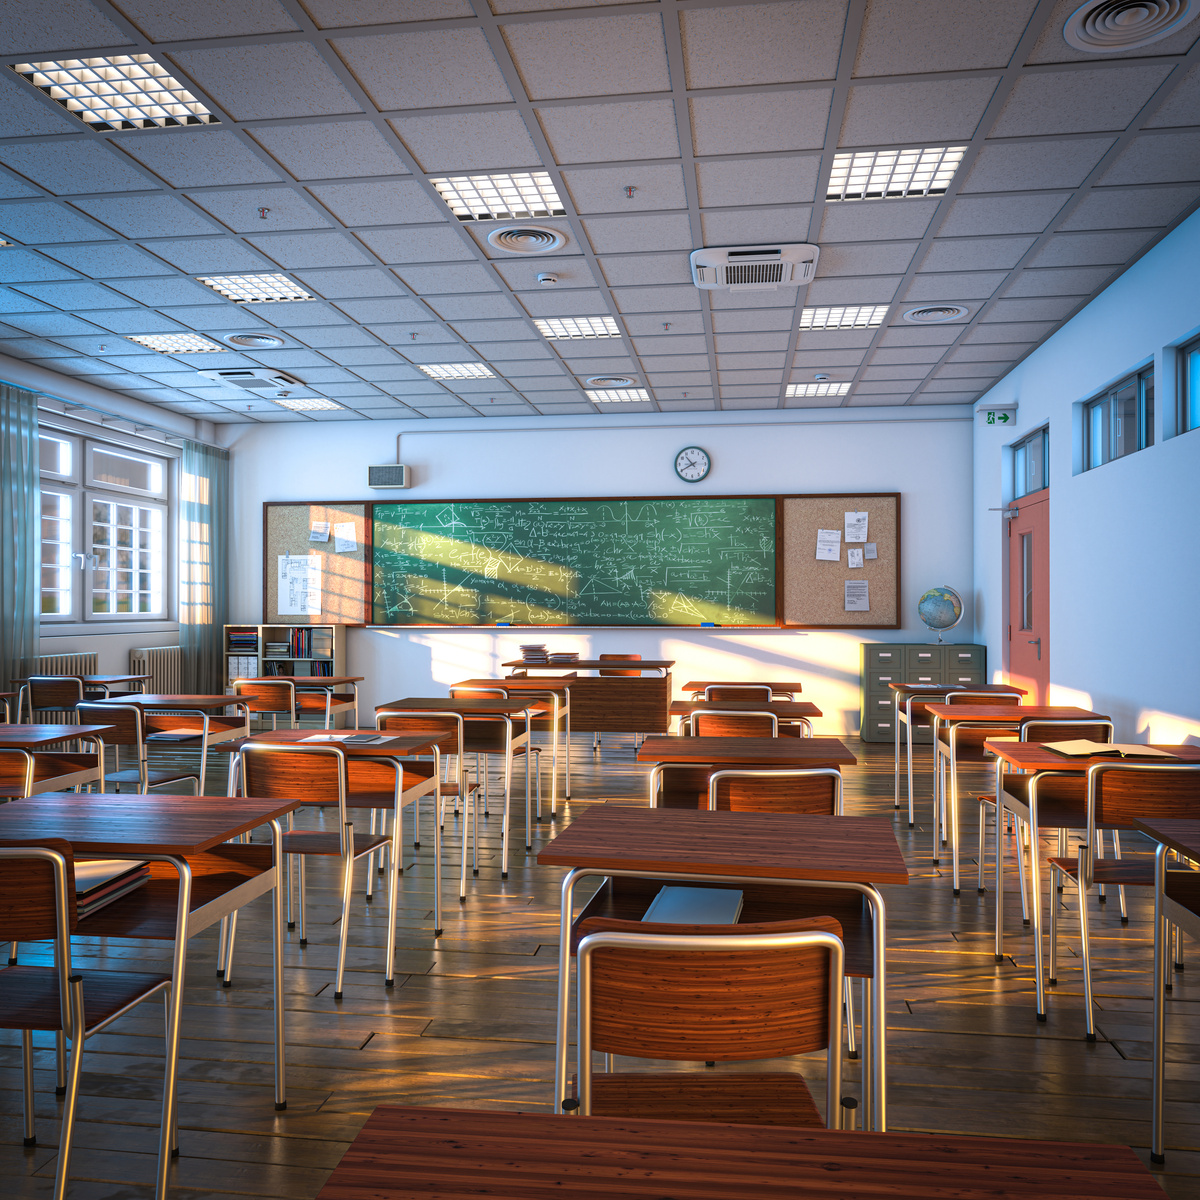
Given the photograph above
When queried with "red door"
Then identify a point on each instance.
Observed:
(1029, 595)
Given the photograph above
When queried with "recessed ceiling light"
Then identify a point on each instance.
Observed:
(126, 91)
(1109, 26)
(558, 329)
(848, 316)
(500, 197)
(3, 243)
(457, 370)
(890, 174)
(527, 239)
(255, 289)
(306, 403)
(817, 389)
(254, 341)
(935, 314)
(175, 343)
(613, 395)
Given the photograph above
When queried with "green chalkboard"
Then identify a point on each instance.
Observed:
(576, 562)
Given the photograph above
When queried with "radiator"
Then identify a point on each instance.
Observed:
(164, 665)
(65, 664)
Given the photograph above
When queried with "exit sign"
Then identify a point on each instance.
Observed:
(999, 416)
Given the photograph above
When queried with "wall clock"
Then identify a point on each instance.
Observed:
(692, 464)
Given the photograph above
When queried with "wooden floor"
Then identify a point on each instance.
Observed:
(470, 1023)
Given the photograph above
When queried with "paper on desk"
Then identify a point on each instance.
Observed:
(327, 737)
(299, 584)
(854, 558)
(319, 531)
(856, 527)
(858, 595)
(869, 551)
(829, 544)
(344, 539)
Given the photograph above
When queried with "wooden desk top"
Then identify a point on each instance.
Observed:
(747, 751)
(130, 823)
(153, 700)
(938, 688)
(1010, 714)
(596, 664)
(1179, 835)
(453, 1154)
(793, 685)
(30, 737)
(783, 709)
(318, 681)
(522, 683)
(762, 845)
(1033, 756)
(487, 706)
(398, 745)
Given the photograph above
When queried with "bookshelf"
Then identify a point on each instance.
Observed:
(261, 650)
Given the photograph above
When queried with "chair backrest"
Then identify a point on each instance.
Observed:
(1119, 792)
(477, 693)
(758, 691)
(1066, 731)
(125, 720)
(726, 723)
(710, 993)
(814, 791)
(442, 725)
(262, 697)
(286, 771)
(31, 904)
(984, 697)
(618, 658)
(16, 772)
(54, 692)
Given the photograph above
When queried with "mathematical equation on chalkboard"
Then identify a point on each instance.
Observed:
(575, 562)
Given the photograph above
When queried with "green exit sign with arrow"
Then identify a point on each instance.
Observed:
(999, 416)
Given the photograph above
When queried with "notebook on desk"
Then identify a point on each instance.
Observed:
(1082, 748)
(695, 906)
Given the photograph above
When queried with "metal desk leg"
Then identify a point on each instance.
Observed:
(908, 742)
(567, 906)
(896, 743)
(1035, 881)
(277, 964)
(175, 1017)
(567, 748)
(878, 995)
(1157, 1136)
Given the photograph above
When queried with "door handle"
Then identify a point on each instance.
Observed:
(1038, 643)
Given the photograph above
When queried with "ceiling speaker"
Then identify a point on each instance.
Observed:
(390, 475)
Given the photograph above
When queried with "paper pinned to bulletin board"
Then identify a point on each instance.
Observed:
(856, 586)
(315, 564)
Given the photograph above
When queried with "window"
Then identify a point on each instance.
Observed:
(1031, 463)
(1120, 421)
(105, 539)
(1189, 392)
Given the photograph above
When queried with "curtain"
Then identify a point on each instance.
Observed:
(203, 566)
(21, 522)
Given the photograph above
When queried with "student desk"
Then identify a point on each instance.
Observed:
(661, 665)
(789, 712)
(789, 689)
(73, 769)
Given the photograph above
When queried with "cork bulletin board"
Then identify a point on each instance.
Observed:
(813, 590)
(340, 575)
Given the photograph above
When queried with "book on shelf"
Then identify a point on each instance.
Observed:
(243, 666)
(1082, 748)
(695, 906)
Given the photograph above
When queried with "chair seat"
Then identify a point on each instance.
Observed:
(768, 1099)
(153, 778)
(1111, 871)
(313, 702)
(164, 722)
(307, 841)
(29, 995)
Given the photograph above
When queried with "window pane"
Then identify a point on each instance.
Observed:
(1097, 415)
(1125, 420)
(1027, 581)
(125, 579)
(127, 470)
(1147, 414)
(1035, 462)
(56, 553)
(54, 455)
(1192, 384)
(1020, 452)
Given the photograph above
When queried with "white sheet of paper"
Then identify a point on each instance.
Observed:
(869, 551)
(344, 539)
(854, 558)
(856, 527)
(858, 595)
(319, 532)
(829, 544)
(299, 585)
(327, 737)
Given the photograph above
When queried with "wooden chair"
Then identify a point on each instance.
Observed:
(814, 790)
(275, 699)
(128, 730)
(27, 772)
(37, 903)
(758, 691)
(42, 695)
(1117, 793)
(713, 722)
(713, 993)
(286, 698)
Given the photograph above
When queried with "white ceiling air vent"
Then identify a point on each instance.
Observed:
(1110, 26)
(610, 381)
(527, 239)
(935, 314)
(754, 268)
(254, 341)
(262, 381)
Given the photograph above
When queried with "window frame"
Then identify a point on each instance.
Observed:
(1102, 419)
(1020, 459)
(1188, 414)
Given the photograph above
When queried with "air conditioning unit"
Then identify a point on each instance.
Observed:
(262, 381)
(754, 268)
(390, 475)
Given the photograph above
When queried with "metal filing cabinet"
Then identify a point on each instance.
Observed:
(882, 663)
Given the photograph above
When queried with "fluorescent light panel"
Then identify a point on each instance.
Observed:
(817, 389)
(255, 289)
(500, 197)
(175, 343)
(846, 316)
(558, 329)
(126, 91)
(457, 370)
(305, 403)
(614, 395)
(893, 174)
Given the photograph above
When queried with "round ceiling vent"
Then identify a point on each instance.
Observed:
(527, 239)
(254, 341)
(611, 381)
(1109, 26)
(935, 314)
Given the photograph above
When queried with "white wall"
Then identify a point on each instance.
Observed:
(923, 453)
(1124, 567)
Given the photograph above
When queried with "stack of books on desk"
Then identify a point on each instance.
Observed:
(100, 881)
(566, 656)
(534, 653)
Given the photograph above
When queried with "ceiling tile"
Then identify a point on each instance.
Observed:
(701, 381)
(903, 37)
(1181, 105)
(651, 299)
(607, 132)
(753, 226)
(755, 320)
(17, 265)
(761, 395)
(576, 303)
(970, 217)
(204, 256)
(623, 269)
(372, 355)
(12, 188)
(678, 323)
(73, 168)
(508, 352)
(767, 180)
(397, 202)
(880, 389)
(521, 273)
(335, 285)
(906, 354)
(396, 373)
(861, 290)
(330, 150)
(1087, 249)
(296, 313)
(920, 335)
(49, 324)
(880, 259)
(469, 277)
(750, 301)
(491, 331)
(198, 158)
(982, 371)
(1077, 101)
(23, 112)
(340, 14)
(1032, 166)
(1121, 208)
(15, 302)
(602, 189)
(110, 260)
(894, 371)
(425, 69)
(425, 331)
(468, 141)
(1013, 331)
(46, 221)
(42, 26)
(675, 362)
(183, 20)
(161, 293)
(268, 80)
(741, 45)
(883, 220)
(887, 399)
(695, 344)
(730, 343)
(617, 235)
(211, 317)
(467, 308)
(426, 243)
(384, 310)
(1157, 158)
(1005, 353)
(311, 250)
(605, 364)
(759, 361)
(135, 320)
(975, 253)
(1061, 281)
(970, 285)
(1051, 46)
(145, 216)
(249, 210)
(887, 114)
(760, 121)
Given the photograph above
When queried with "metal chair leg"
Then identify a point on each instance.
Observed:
(344, 932)
(303, 899)
(227, 981)
(1121, 888)
(848, 995)
(1055, 876)
(1087, 953)
(27, 1081)
(63, 1172)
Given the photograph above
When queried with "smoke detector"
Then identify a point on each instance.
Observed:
(546, 279)
(610, 381)
(754, 268)
(935, 314)
(262, 381)
(1109, 26)
(254, 341)
(527, 239)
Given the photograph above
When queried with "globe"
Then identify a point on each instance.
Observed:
(941, 608)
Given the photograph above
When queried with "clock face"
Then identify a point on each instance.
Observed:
(692, 464)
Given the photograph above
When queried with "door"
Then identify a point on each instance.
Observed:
(1029, 595)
